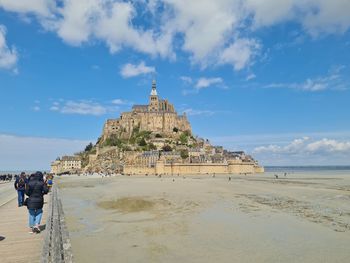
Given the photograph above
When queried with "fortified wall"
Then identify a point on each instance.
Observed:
(161, 167)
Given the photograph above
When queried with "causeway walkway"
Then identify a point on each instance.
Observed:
(16, 243)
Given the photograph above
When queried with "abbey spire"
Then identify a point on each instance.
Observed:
(153, 99)
(154, 88)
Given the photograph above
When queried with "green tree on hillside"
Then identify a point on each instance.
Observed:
(184, 154)
(152, 146)
(184, 138)
(142, 142)
(187, 133)
(89, 147)
(113, 140)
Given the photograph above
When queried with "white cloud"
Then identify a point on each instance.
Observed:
(306, 145)
(54, 108)
(327, 145)
(207, 82)
(193, 112)
(77, 21)
(332, 81)
(119, 102)
(211, 32)
(8, 56)
(326, 17)
(240, 53)
(82, 107)
(295, 146)
(38, 7)
(36, 108)
(317, 148)
(316, 16)
(186, 79)
(284, 138)
(314, 85)
(111, 22)
(205, 25)
(131, 70)
(116, 29)
(201, 83)
(305, 151)
(250, 77)
(88, 107)
(269, 12)
(16, 152)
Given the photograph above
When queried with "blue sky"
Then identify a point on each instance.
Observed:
(268, 77)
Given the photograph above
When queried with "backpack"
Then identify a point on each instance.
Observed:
(21, 182)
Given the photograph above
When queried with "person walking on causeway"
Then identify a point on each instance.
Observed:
(20, 184)
(35, 189)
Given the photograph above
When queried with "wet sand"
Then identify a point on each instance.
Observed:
(303, 217)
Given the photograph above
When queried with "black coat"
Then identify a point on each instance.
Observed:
(35, 189)
(17, 186)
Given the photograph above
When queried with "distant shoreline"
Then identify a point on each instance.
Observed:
(308, 168)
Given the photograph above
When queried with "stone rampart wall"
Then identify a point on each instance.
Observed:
(187, 169)
(140, 170)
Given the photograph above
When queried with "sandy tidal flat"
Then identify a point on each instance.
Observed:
(301, 217)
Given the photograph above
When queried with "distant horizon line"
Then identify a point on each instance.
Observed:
(299, 167)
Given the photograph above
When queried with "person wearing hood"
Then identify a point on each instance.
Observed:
(35, 190)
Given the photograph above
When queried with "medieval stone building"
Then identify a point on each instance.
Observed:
(159, 116)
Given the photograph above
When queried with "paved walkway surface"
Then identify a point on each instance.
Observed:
(7, 192)
(16, 243)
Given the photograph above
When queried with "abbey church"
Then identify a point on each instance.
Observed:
(159, 116)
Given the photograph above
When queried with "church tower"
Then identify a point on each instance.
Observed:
(153, 100)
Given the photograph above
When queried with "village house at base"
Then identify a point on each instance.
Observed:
(154, 139)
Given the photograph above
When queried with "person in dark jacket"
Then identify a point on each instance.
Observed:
(35, 189)
(20, 185)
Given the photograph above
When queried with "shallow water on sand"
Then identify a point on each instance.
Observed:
(300, 217)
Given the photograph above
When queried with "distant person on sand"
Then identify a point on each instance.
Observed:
(35, 189)
(20, 184)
